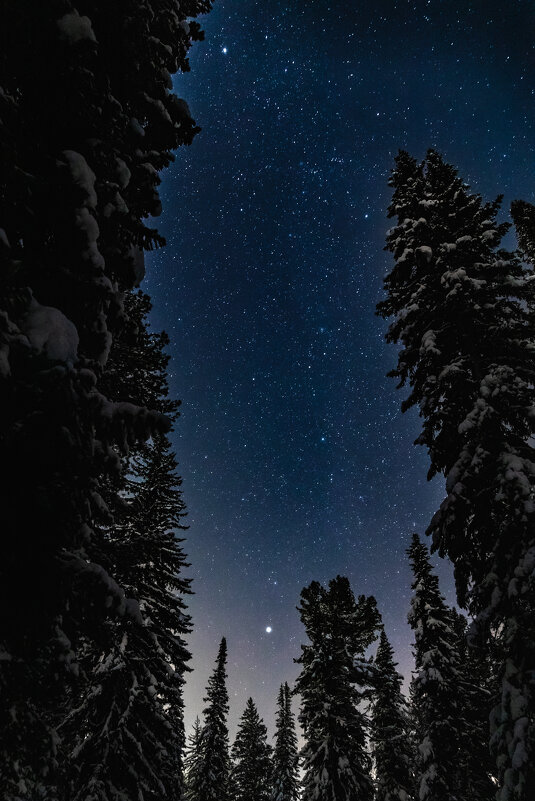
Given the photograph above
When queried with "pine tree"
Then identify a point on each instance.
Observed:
(192, 761)
(285, 755)
(332, 682)
(463, 313)
(77, 181)
(437, 711)
(251, 754)
(211, 782)
(126, 730)
(391, 746)
(126, 734)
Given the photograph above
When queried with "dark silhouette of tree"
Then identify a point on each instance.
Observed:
(192, 761)
(463, 313)
(285, 754)
(251, 754)
(390, 738)
(331, 684)
(211, 781)
(88, 122)
(476, 692)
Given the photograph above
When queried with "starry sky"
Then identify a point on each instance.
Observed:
(297, 462)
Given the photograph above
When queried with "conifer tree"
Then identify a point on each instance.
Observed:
(126, 730)
(463, 313)
(251, 755)
(126, 734)
(77, 181)
(332, 682)
(477, 691)
(437, 711)
(285, 755)
(192, 761)
(211, 782)
(391, 745)
(136, 370)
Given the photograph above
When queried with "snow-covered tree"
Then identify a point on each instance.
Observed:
(436, 708)
(251, 756)
(285, 769)
(126, 728)
(463, 314)
(391, 743)
(192, 760)
(88, 121)
(476, 692)
(126, 733)
(211, 781)
(449, 284)
(136, 370)
(333, 678)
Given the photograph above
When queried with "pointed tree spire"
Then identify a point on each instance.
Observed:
(332, 683)
(212, 780)
(251, 754)
(437, 712)
(285, 755)
(391, 747)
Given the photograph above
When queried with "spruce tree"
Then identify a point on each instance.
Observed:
(333, 679)
(285, 770)
(463, 313)
(192, 761)
(391, 745)
(436, 705)
(88, 121)
(211, 782)
(251, 755)
(126, 730)
(126, 733)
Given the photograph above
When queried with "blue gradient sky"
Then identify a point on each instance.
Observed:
(297, 462)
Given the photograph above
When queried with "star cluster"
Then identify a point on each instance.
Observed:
(297, 462)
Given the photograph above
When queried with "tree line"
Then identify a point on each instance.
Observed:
(363, 739)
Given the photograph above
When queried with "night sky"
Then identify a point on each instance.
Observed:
(297, 462)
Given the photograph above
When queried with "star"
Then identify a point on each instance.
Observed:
(314, 441)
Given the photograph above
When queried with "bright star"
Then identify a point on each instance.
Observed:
(225, 51)
(268, 629)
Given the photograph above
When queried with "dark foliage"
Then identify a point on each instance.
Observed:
(333, 679)
(251, 755)
(88, 121)
(285, 754)
(211, 780)
(391, 743)
(462, 311)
